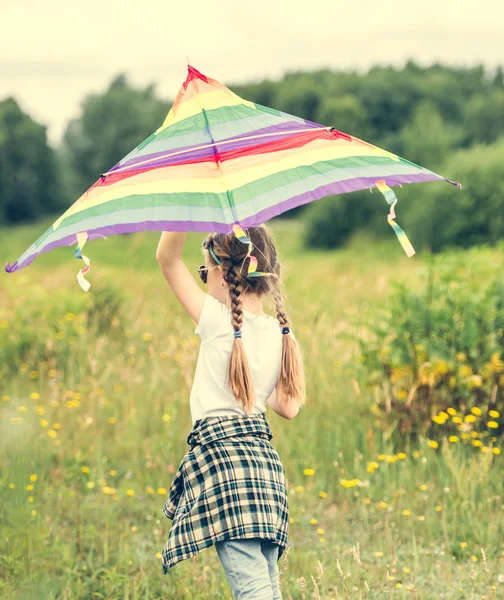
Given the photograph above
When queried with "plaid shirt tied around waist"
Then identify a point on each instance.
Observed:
(230, 484)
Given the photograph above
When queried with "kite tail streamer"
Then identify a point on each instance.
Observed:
(81, 240)
(391, 198)
(242, 236)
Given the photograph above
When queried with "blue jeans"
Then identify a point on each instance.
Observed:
(251, 568)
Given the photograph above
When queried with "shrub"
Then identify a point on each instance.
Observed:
(436, 357)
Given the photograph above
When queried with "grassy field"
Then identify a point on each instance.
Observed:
(94, 415)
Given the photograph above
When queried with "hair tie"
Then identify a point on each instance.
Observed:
(238, 333)
(285, 330)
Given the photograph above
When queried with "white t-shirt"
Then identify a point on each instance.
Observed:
(211, 395)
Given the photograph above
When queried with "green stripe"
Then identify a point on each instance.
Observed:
(239, 195)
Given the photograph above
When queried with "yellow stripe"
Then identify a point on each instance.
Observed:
(239, 172)
(209, 101)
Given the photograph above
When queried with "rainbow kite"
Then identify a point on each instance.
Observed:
(218, 161)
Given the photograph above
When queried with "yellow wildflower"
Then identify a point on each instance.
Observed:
(130, 492)
(451, 411)
(161, 491)
(308, 472)
(433, 444)
(313, 521)
(476, 410)
(457, 420)
(469, 418)
(299, 488)
(494, 414)
(496, 450)
(476, 443)
(463, 544)
(348, 483)
(323, 494)
(406, 512)
(453, 438)
(423, 487)
(493, 424)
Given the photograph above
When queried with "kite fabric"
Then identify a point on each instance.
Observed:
(219, 160)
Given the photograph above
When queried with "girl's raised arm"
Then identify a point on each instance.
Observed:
(178, 276)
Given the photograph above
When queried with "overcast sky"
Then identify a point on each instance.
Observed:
(54, 52)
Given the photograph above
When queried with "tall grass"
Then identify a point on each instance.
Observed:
(94, 416)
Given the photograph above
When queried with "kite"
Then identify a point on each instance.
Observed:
(221, 163)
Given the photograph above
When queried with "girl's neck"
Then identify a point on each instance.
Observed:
(252, 303)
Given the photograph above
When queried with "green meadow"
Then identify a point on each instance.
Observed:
(94, 416)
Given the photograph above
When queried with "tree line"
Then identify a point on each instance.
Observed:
(426, 114)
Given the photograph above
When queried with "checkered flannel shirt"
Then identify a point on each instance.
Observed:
(229, 485)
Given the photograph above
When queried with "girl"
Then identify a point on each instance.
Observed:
(230, 488)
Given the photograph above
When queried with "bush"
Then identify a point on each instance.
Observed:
(432, 357)
(330, 221)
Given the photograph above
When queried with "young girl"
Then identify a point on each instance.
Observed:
(230, 488)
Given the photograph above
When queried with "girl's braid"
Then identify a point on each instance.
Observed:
(235, 287)
(279, 305)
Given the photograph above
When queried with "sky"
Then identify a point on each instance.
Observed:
(55, 52)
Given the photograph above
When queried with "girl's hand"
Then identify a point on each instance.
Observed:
(178, 276)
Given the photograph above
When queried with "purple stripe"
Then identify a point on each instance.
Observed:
(339, 187)
(193, 153)
(201, 226)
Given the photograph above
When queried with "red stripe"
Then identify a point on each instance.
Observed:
(288, 143)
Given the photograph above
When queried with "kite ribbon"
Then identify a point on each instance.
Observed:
(81, 240)
(391, 198)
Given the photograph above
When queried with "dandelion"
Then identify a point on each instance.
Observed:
(33, 512)
(469, 418)
(51, 433)
(438, 508)
(22, 409)
(130, 492)
(313, 521)
(291, 520)
(451, 411)
(161, 491)
(421, 518)
(423, 487)
(30, 498)
(12, 485)
(474, 558)
(320, 531)
(366, 500)
(159, 555)
(112, 473)
(166, 418)
(453, 438)
(309, 472)
(108, 490)
(146, 337)
(348, 483)
(149, 489)
(34, 395)
(476, 411)
(134, 529)
(322, 539)
(382, 505)
(112, 420)
(323, 494)
(33, 477)
(378, 554)
(85, 469)
(456, 420)
(496, 450)
(493, 424)
(299, 488)
(401, 455)
(90, 484)
(494, 414)
(476, 443)
(463, 545)
(433, 444)
(372, 466)
(406, 512)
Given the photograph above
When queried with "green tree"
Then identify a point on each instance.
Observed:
(110, 126)
(29, 177)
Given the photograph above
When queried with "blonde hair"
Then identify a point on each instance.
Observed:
(232, 253)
